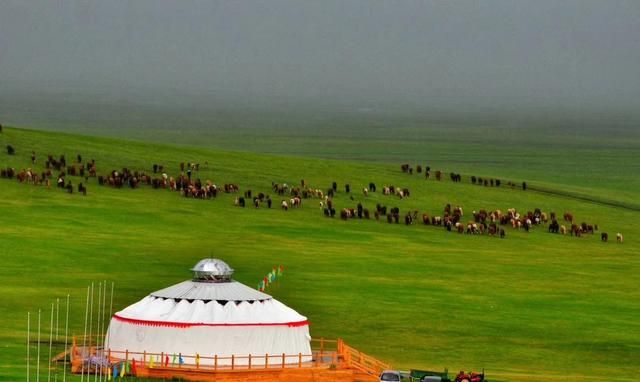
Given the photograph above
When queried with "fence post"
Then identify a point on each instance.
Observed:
(144, 358)
(266, 361)
(299, 359)
(249, 361)
(233, 361)
(161, 358)
(215, 362)
(283, 360)
(179, 359)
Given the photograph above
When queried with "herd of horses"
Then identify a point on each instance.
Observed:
(187, 184)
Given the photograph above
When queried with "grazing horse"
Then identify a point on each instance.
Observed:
(604, 237)
(408, 219)
(619, 238)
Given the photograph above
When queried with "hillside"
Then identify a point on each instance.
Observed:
(532, 306)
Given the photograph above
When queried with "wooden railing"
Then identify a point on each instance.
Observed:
(358, 360)
(325, 353)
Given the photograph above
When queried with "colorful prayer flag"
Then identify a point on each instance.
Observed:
(173, 359)
(134, 368)
(151, 362)
(115, 371)
(123, 370)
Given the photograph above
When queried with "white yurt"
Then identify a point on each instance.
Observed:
(210, 315)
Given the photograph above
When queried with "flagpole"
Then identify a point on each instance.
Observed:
(104, 303)
(66, 336)
(110, 312)
(38, 357)
(28, 342)
(84, 338)
(50, 345)
(90, 331)
(97, 329)
(57, 315)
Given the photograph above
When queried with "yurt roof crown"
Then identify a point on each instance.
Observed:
(212, 271)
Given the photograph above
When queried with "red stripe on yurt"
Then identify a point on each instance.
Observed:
(188, 325)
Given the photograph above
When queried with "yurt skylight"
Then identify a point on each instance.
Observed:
(212, 271)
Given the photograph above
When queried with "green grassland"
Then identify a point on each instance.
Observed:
(533, 306)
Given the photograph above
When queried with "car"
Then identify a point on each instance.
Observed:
(390, 376)
(429, 376)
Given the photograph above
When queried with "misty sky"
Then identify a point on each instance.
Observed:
(577, 55)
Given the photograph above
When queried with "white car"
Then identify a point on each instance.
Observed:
(390, 376)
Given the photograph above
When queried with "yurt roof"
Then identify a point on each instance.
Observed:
(211, 298)
(227, 291)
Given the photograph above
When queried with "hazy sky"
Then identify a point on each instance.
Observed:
(578, 55)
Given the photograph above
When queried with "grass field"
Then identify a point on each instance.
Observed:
(533, 306)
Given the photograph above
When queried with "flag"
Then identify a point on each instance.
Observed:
(166, 360)
(108, 374)
(123, 369)
(115, 371)
(133, 368)
(197, 360)
(151, 362)
(173, 359)
(180, 360)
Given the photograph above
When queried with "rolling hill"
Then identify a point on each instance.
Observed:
(532, 306)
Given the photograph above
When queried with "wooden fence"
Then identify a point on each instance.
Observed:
(326, 353)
